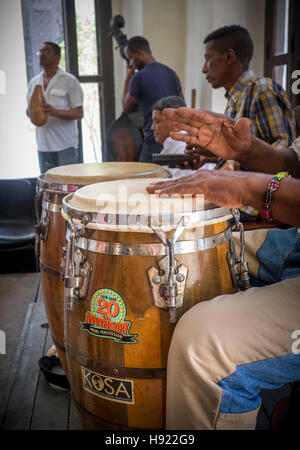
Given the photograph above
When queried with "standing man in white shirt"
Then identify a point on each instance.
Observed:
(57, 139)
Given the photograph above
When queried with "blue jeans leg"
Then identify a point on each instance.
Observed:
(48, 160)
(67, 156)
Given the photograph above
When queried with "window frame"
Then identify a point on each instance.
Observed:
(104, 78)
(292, 57)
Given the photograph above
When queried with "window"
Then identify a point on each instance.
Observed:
(282, 49)
(81, 28)
(89, 58)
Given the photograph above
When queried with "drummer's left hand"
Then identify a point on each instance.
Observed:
(216, 133)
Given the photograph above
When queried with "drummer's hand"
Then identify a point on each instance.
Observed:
(211, 183)
(220, 135)
(203, 157)
(195, 164)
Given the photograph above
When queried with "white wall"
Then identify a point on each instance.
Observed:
(163, 23)
(199, 20)
(18, 155)
(132, 11)
(204, 16)
(175, 29)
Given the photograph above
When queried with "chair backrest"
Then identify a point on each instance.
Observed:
(16, 201)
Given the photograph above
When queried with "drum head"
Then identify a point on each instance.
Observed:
(127, 195)
(113, 201)
(83, 174)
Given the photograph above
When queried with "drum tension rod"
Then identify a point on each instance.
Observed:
(77, 269)
(238, 266)
(169, 294)
(42, 224)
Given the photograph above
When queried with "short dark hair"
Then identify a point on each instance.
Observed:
(55, 47)
(235, 37)
(138, 43)
(173, 101)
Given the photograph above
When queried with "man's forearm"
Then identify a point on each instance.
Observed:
(237, 189)
(71, 114)
(285, 204)
(264, 158)
(125, 91)
(129, 75)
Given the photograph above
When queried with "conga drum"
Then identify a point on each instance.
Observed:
(52, 188)
(135, 264)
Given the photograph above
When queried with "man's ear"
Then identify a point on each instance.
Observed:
(230, 56)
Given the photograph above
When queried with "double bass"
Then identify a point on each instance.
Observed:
(124, 135)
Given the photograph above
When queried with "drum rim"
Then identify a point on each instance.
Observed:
(43, 184)
(155, 248)
(93, 217)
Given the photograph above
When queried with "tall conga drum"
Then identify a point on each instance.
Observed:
(52, 188)
(135, 263)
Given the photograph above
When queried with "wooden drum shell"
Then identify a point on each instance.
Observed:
(50, 265)
(143, 363)
(51, 248)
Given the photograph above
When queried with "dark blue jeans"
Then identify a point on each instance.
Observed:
(48, 160)
(279, 257)
(148, 149)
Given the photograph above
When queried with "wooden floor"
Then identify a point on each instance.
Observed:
(27, 401)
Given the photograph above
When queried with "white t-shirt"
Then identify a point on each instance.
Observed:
(63, 92)
(173, 147)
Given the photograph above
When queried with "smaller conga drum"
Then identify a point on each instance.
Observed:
(135, 263)
(52, 188)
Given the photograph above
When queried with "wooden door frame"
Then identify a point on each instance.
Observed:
(104, 78)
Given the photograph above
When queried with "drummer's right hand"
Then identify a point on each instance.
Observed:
(203, 156)
(130, 69)
(193, 148)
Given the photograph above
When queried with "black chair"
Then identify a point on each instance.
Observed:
(16, 216)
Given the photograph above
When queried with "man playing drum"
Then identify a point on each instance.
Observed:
(226, 350)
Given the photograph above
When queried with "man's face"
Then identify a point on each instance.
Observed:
(160, 126)
(215, 66)
(48, 56)
(135, 58)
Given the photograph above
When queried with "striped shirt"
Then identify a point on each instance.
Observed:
(266, 104)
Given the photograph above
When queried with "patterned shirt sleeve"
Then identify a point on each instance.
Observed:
(274, 118)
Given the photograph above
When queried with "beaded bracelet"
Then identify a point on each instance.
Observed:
(273, 185)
